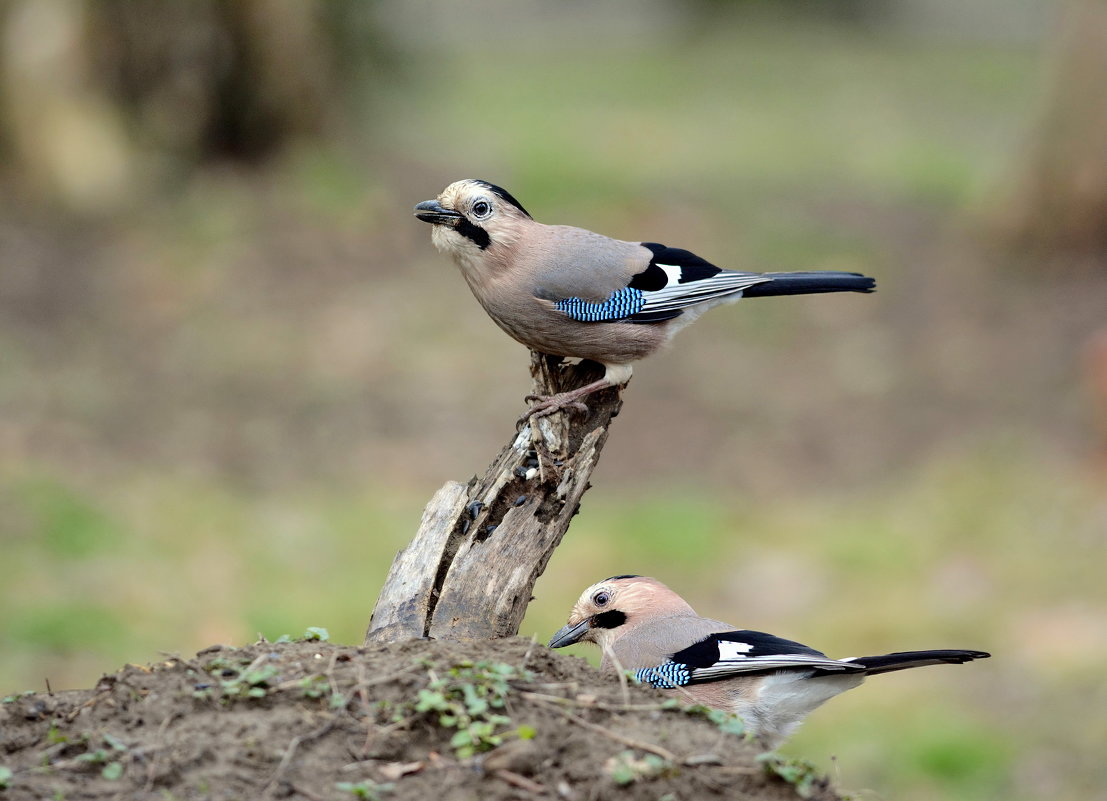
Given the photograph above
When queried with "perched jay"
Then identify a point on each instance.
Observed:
(772, 684)
(570, 292)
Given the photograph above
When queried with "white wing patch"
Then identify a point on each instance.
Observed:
(733, 650)
(673, 274)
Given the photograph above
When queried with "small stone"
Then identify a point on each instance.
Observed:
(517, 756)
(397, 770)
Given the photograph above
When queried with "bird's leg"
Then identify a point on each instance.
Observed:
(545, 405)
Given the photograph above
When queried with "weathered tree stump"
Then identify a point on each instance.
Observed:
(469, 571)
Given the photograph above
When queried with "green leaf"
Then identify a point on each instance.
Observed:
(727, 723)
(112, 771)
(798, 772)
(6, 776)
(99, 755)
(260, 675)
(622, 773)
(430, 699)
(526, 732)
(115, 742)
(317, 633)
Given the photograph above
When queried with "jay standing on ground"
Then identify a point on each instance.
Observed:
(771, 683)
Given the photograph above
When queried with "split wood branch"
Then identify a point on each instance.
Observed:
(470, 569)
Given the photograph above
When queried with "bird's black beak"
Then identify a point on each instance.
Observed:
(433, 212)
(570, 634)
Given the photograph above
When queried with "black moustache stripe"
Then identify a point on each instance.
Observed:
(609, 620)
(474, 232)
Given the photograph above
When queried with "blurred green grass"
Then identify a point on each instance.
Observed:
(992, 538)
(747, 109)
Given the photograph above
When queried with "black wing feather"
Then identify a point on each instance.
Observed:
(695, 268)
(705, 653)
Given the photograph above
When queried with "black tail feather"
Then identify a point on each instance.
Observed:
(810, 283)
(912, 659)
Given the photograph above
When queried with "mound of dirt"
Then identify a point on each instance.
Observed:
(500, 719)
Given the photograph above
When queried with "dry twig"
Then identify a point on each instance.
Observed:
(664, 753)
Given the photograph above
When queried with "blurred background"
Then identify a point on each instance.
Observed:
(233, 368)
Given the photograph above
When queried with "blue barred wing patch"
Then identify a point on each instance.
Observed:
(622, 303)
(664, 677)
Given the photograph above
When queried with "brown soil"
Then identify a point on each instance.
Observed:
(313, 720)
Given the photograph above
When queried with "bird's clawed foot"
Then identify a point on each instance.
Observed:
(545, 405)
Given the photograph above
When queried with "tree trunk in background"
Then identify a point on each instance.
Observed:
(218, 79)
(1060, 186)
(100, 97)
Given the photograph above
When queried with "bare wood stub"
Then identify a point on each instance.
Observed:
(469, 571)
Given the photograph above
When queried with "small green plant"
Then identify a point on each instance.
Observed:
(317, 686)
(257, 680)
(6, 777)
(727, 722)
(11, 699)
(626, 768)
(367, 790)
(799, 773)
(311, 634)
(111, 769)
(238, 682)
(114, 742)
(467, 699)
(227, 663)
(526, 732)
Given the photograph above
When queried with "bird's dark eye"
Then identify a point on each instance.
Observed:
(481, 209)
(601, 599)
